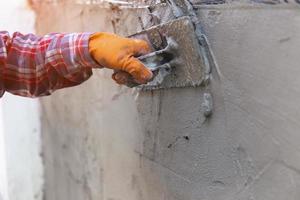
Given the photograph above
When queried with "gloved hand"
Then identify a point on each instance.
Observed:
(118, 53)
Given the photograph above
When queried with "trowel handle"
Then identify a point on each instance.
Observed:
(158, 62)
(158, 58)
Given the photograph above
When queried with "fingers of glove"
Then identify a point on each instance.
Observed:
(140, 47)
(121, 77)
(137, 70)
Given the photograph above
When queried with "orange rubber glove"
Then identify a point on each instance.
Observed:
(118, 53)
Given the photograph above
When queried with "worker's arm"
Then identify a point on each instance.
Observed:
(36, 66)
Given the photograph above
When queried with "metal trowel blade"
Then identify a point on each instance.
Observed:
(185, 64)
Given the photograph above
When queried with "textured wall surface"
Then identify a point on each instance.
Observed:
(102, 141)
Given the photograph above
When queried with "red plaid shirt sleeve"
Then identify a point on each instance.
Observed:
(35, 66)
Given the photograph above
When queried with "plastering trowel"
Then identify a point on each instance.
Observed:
(175, 59)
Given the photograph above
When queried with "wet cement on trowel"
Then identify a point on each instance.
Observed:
(187, 65)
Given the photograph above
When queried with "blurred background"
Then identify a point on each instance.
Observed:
(21, 174)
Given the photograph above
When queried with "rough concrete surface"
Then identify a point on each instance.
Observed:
(102, 141)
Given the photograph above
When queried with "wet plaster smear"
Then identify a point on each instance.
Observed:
(106, 142)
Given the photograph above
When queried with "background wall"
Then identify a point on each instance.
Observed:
(102, 141)
(21, 174)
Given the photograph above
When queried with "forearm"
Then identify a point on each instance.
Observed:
(36, 66)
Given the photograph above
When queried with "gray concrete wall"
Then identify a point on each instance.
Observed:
(103, 141)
